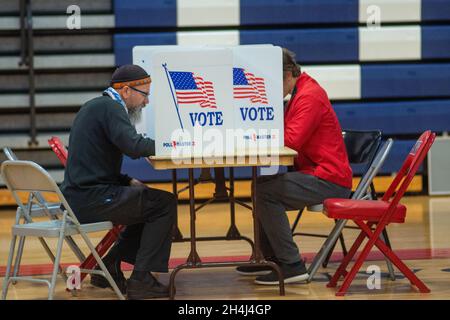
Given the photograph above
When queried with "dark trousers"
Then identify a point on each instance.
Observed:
(148, 214)
(283, 192)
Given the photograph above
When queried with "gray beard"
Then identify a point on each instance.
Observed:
(135, 115)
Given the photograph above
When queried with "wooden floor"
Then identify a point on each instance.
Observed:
(423, 241)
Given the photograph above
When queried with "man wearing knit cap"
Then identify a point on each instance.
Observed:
(102, 132)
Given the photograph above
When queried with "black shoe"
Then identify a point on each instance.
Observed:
(256, 270)
(253, 270)
(117, 275)
(147, 289)
(291, 274)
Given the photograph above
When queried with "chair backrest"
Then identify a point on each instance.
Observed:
(374, 167)
(28, 176)
(58, 148)
(10, 155)
(361, 146)
(410, 166)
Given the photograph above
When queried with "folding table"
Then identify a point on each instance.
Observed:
(281, 156)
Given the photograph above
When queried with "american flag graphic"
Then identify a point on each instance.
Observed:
(191, 89)
(247, 86)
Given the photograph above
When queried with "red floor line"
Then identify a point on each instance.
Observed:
(404, 254)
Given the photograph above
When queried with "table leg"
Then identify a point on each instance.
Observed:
(233, 232)
(193, 258)
(176, 233)
(256, 227)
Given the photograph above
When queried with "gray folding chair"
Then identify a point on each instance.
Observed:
(38, 210)
(27, 176)
(361, 147)
(361, 192)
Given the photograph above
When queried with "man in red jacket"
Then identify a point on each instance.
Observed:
(321, 171)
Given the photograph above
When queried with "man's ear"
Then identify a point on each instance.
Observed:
(125, 92)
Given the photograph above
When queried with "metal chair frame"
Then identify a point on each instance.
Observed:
(40, 209)
(361, 193)
(27, 176)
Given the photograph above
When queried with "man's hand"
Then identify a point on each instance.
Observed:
(137, 183)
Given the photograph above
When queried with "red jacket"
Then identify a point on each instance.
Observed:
(312, 129)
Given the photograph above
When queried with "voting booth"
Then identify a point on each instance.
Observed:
(212, 101)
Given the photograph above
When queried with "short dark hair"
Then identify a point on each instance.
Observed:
(290, 63)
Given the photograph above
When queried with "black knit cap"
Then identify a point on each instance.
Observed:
(129, 72)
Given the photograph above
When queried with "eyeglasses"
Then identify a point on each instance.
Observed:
(145, 94)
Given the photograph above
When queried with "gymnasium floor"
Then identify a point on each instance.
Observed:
(423, 242)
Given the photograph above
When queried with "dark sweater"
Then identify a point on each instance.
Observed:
(101, 133)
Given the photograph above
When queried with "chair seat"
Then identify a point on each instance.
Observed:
(51, 228)
(366, 210)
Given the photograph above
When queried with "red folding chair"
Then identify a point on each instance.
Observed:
(58, 148)
(366, 213)
(112, 235)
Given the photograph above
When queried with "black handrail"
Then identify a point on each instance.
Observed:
(27, 59)
(23, 35)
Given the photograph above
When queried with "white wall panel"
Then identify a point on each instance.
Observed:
(390, 43)
(340, 82)
(194, 13)
(230, 38)
(391, 10)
